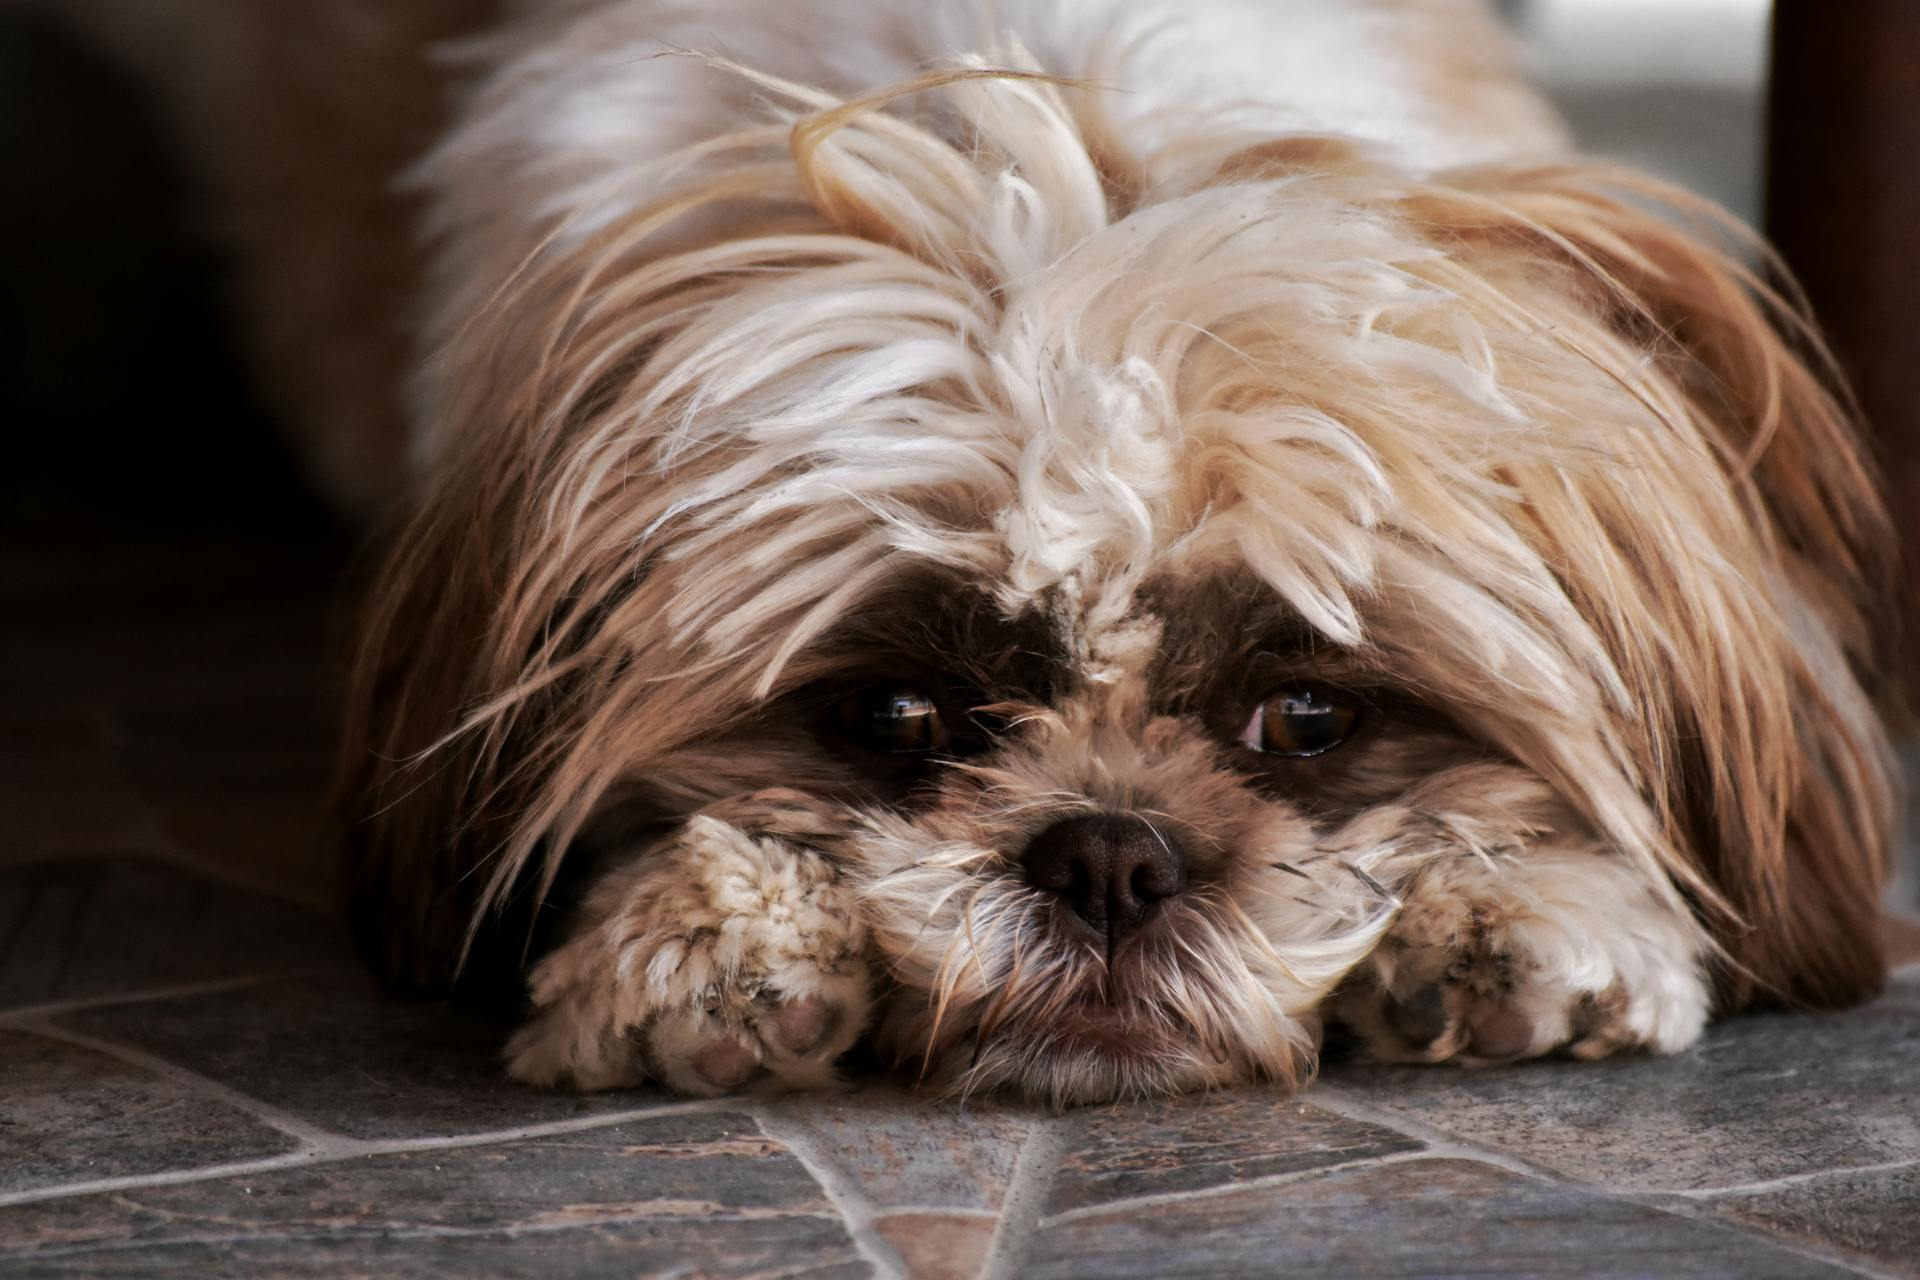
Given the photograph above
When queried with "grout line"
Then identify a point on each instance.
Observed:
(545, 1129)
(842, 1192)
(1784, 1182)
(1679, 1204)
(373, 1232)
(334, 1148)
(133, 1182)
(1033, 1171)
(212, 986)
(1695, 1211)
(1440, 1143)
(313, 1137)
(1447, 1145)
(1153, 1200)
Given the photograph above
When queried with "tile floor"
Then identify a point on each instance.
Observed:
(196, 1079)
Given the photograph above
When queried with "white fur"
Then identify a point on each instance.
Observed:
(592, 108)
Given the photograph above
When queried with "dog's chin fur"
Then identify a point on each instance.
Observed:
(1107, 406)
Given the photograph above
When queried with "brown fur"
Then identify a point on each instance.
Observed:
(1105, 428)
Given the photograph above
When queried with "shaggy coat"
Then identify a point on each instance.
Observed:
(1100, 374)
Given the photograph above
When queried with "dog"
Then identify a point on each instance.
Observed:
(1077, 543)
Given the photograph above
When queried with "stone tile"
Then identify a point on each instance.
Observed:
(724, 1247)
(700, 1194)
(912, 1151)
(74, 1115)
(1191, 1144)
(1874, 1214)
(1411, 1218)
(1761, 1097)
(940, 1246)
(73, 928)
(337, 1053)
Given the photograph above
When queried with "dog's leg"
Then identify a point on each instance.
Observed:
(728, 957)
(1499, 957)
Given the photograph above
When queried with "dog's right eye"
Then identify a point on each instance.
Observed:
(892, 720)
(1299, 721)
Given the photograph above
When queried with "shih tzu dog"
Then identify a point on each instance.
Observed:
(1075, 541)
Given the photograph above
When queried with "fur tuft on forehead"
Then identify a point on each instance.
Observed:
(1543, 456)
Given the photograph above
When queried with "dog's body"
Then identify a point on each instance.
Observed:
(1081, 539)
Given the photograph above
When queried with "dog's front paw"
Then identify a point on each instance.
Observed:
(731, 958)
(1492, 960)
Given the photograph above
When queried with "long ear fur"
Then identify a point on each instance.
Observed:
(413, 793)
(1771, 772)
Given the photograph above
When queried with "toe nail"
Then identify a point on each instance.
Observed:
(1421, 1017)
(726, 1064)
(1502, 1032)
(800, 1025)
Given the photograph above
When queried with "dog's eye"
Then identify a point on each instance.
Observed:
(1300, 720)
(892, 720)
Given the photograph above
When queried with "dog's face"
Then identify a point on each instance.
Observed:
(1158, 564)
(1157, 629)
(1130, 865)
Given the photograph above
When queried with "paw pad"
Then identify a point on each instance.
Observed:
(799, 1026)
(727, 1063)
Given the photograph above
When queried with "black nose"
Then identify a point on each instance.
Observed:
(1112, 869)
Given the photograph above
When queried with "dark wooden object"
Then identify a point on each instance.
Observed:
(1843, 204)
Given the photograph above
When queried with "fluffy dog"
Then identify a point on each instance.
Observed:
(1076, 540)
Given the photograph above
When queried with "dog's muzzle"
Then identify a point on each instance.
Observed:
(1113, 870)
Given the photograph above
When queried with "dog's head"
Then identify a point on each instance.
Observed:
(1158, 555)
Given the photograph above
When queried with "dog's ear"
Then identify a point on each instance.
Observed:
(413, 833)
(1748, 618)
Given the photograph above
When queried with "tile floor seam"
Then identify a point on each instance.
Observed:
(1451, 1145)
(1021, 1204)
(855, 1209)
(342, 1148)
(1784, 1182)
(1155, 1199)
(509, 1230)
(171, 1178)
(353, 1146)
(265, 1112)
(185, 990)
(350, 1146)
(1439, 1141)
(1693, 1211)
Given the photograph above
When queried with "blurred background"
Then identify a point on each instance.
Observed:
(168, 584)
(1677, 87)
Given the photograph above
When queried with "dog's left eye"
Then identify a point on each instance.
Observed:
(1300, 720)
(892, 720)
